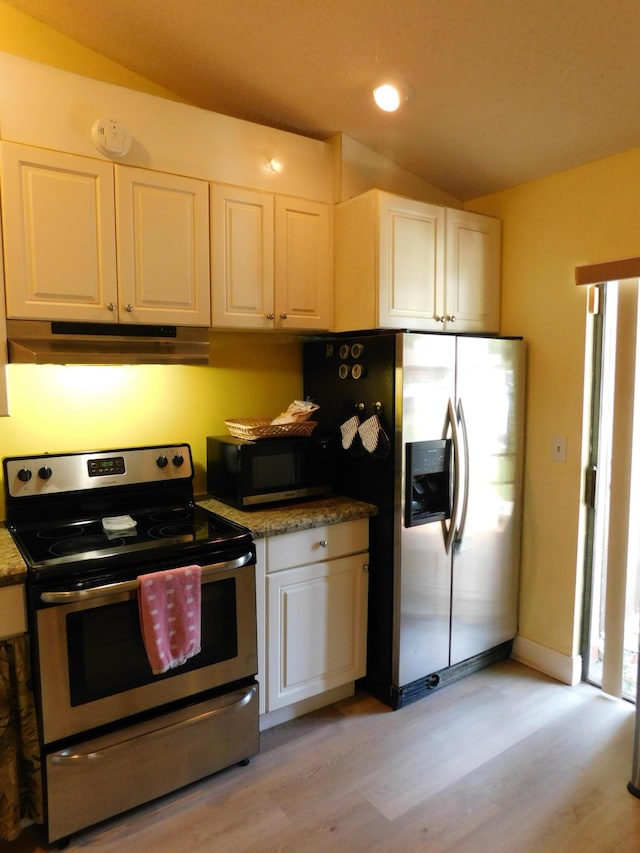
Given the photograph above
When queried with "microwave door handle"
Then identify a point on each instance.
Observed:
(68, 596)
(448, 530)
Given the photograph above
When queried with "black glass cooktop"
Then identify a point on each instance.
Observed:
(171, 529)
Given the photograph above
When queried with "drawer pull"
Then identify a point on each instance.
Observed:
(323, 543)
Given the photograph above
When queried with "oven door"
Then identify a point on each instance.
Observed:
(93, 667)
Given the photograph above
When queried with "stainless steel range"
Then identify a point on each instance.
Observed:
(114, 735)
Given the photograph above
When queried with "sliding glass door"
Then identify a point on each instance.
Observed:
(612, 609)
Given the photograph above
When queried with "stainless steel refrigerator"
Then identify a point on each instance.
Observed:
(429, 427)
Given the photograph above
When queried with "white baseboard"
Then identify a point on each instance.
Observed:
(563, 668)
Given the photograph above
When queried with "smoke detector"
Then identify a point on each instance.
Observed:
(111, 137)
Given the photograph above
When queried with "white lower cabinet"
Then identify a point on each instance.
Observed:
(13, 614)
(315, 612)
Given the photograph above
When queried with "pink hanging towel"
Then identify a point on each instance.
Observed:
(169, 604)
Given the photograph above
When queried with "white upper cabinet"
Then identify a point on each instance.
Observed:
(162, 225)
(411, 263)
(303, 264)
(58, 214)
(401, 263)
(271, 260)
(61, 215)
(472, 299)
(242, 271)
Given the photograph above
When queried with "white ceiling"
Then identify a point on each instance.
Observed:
(502, 91)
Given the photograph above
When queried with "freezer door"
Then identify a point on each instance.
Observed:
(428, 385)
(486, 550)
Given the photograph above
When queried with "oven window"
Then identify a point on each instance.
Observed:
(107, 655)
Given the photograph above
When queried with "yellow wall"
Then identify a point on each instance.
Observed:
(585, 215)
(88, 408)
(65, 408)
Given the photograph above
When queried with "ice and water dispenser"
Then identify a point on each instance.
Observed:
(428, 481)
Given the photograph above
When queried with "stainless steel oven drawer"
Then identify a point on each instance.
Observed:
(102, 777)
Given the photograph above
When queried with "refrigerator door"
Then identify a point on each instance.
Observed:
(428, 384)
(490, 411)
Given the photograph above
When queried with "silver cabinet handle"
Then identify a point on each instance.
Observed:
(453, 318)
(111, 306)
(323, 543)
(128, 307)
(283, 315)
(67, 596)
(271, 316)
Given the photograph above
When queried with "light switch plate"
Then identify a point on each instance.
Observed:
(559, 448)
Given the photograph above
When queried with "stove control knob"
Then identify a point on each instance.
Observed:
(24, 475)
(178, 459)
(162, 461)
(45, 472)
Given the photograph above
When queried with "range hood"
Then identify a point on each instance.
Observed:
(40, 342)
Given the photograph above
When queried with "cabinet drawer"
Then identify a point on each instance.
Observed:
(318, 543)
(13, 619)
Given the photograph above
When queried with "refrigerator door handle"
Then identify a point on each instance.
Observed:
(465, 496)
(448, 530)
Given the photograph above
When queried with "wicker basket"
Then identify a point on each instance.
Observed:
(253, 428)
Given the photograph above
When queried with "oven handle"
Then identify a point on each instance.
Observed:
(228, 704)
(67, 596)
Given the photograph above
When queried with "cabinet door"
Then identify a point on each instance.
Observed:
(13, 614)
(472, 272)
(411, 264)
(261, 621)
(4, 397)
(317, 628)
(163, 248)
(242, 258)
(303, 264)
(59, 233)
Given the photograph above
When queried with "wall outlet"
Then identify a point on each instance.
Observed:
(559, 448)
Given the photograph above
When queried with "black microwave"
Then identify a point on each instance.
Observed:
(249, 474)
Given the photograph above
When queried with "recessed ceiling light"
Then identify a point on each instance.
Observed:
(387, 97)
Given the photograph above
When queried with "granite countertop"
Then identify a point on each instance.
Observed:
(12, 566)
(262, 522)
(272, 521)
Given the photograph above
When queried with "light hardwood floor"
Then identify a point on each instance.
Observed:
(504, 760)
